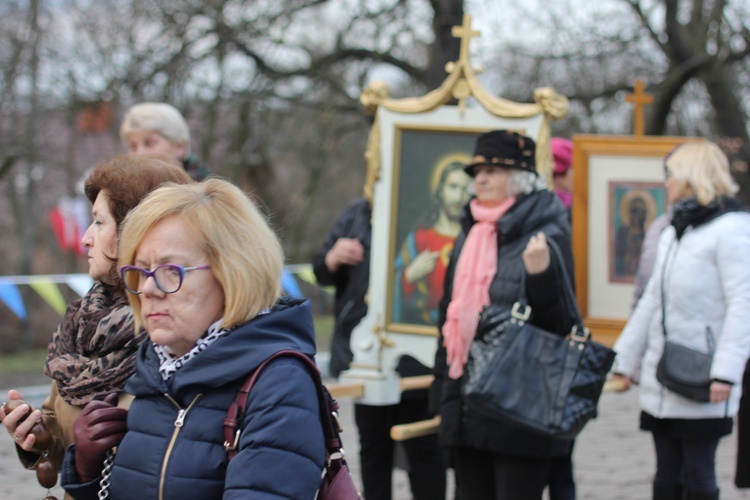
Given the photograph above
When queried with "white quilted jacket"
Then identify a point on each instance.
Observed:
(707, 289)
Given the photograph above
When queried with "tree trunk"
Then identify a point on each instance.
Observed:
(445, 48)
(679, 73)
(730, 121)
(729, 116)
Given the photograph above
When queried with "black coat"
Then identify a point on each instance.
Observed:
(742, 465)
(351, 282)
(539, 211)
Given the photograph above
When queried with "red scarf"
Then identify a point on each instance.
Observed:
(475, 269)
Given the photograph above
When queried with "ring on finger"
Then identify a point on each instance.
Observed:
(16, 437)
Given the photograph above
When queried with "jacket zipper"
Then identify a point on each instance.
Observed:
(181, 414)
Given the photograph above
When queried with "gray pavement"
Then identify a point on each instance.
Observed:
(613, 459)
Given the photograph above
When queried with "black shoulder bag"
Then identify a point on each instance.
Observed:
(681, 369)
(534, 379)
(337, 483)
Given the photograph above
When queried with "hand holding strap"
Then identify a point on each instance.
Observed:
(522, 311)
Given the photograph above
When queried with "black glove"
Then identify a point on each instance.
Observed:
(99, 428)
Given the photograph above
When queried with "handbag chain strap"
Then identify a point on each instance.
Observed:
(106, 473)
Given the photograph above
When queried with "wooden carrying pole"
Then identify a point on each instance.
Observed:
(415, 429)
(355, 390)
(431, 426)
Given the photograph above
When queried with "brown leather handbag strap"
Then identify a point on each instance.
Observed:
(326, 404)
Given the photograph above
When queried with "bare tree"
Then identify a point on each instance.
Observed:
(271, 88)
(704, 40)
(694, 56)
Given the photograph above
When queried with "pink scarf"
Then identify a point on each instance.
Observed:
(565, 197)
(475, 269)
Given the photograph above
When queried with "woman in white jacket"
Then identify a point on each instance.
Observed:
(701, 288)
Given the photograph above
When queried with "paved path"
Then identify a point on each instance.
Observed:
(613, 459)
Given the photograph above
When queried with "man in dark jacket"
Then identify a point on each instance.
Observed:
(343, 261)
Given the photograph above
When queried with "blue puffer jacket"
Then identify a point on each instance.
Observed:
(174, 445)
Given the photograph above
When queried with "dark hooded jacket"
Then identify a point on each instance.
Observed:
(538, 211)
(351, 282)
(174, 445)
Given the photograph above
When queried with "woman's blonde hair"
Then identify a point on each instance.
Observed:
(158, 117)
(704, 167)
(243, 251)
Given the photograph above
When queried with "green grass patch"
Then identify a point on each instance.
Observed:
(24, 361)
(32, 361)
(323, 331)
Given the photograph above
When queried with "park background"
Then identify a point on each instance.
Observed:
(271, 93)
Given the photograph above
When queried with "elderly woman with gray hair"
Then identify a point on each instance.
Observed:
(502, 250)
(158, 129)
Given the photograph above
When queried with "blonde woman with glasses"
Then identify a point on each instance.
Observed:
(203, 274)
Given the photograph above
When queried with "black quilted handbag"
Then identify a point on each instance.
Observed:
(537, 380)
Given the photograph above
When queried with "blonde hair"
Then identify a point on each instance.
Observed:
(158, 117)
(243, 251)
(704, 167)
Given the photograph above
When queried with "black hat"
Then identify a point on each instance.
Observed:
(501, 148)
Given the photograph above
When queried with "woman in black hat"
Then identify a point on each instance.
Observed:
(505, 230)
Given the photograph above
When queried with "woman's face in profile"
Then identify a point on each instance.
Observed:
(177, 320)
(100, 239)
(491, 184)
(676, 190)
(152, 143)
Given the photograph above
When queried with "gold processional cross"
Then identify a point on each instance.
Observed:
(465, 33)
(640, 99)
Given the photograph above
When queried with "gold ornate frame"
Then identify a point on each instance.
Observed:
(393, 214)
(399, 171)
(595, 158)
(432, 112)
(461, 84)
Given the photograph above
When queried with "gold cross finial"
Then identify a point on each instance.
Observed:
(640, 99)
(465, 33)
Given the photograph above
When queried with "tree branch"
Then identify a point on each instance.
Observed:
(7, 164)
(643, 17)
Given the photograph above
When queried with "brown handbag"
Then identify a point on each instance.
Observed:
(337, 483)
